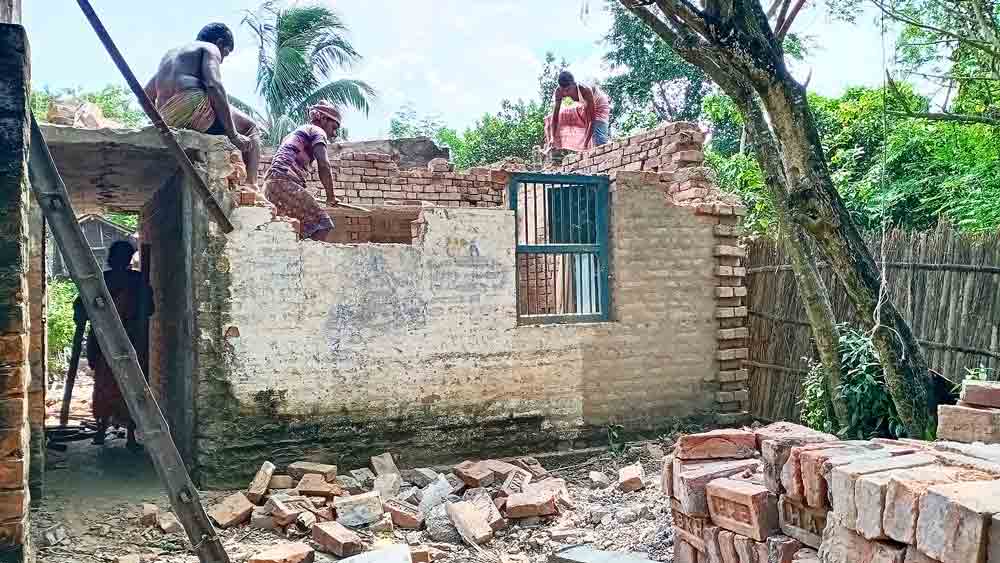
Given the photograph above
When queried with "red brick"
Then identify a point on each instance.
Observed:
(967, 424)
(258, 487)
(727, 547)
(981, 393)
(800, 522)
(684, 552)
(232, 511)
(841, 545)
(742, 507)
(485, 505)
(285, 553)
(843, 483)
(630, 478)
(689, 528)
(531, 503)
(404, 514)
(470, 522)
(954, 522)
(474, 474)
(501, 468)
(336, 539)
(667, 476)
(300, 468)
(905, 490)
(690, 480)
(717, 444)
(315, 485)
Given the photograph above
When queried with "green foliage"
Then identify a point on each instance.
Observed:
(513, 132)
(117, 103)
(405, 123)
(650, 82)
(863, 388)
(740, 174)
(299, 48)
(725, 123)
(128, 220)
(59, 323)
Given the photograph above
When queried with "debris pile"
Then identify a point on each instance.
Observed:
(784, 493)
(976, 418)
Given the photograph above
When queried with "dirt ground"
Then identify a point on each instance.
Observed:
(94, 495)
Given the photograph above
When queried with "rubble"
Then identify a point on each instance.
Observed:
(287, 553)
(631, 478)
(599, 480)
(150, 515)
(168, 523)
(364, 477)
(300, 469)
(358, 510)
(387, 485)
(334, 538)
(404, 514)
(258, 487)
(384, 465)
(279, 482)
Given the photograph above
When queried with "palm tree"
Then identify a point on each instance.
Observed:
(299, 48)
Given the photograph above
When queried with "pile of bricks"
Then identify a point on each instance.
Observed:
(976, 418)
(336, 513)
(786, 493)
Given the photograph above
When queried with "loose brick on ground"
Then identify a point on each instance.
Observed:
(404, 514)
(148, 515)
(358, 510)
(531, 503)
(501, 468)
(717, 444)
(285, 553)
(279, 482)
(485, 505)
(258, 487)
(515, 482)
(742, 507)
(316, 485)
(474, 474)
(631, 477)
(232, 510)
(336, 539)
(383, 464)
(300, 468)
(470, 522)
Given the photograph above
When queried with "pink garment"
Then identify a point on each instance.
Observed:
(573, 122)
(602, 105)
(294, 158)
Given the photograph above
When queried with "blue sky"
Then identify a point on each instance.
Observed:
(454, 58)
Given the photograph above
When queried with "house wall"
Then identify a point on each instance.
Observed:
(15, 376)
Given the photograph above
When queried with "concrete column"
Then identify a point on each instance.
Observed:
(10, 11)
(14, 325)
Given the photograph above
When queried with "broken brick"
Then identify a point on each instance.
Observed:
(232, 511)
(485, 505)
(742, 507)
(301, 468)
(630, 478)
(532, 466)
(776, 442)
(403, 514)
(841, 545)
(279, 482)
(358, 510)
(531, 503)
(383, 464)
(470, 522)
(501, 468)
(285, 553)
(746, 548)
(782, 549)
(168, 523)
(474, 474)
(515, 482)
(287, 510)
(149, 515)
(717, 444)
(315, 485)
(261, 519)
(336, 539)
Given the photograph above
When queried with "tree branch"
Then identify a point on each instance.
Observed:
(780, 32)
(985, 47)
(953, 117)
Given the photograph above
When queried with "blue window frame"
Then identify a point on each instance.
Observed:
(562, 247)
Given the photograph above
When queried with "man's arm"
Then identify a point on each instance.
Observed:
(556, 107)
(588, 99)
(211, 77)
(325, 174)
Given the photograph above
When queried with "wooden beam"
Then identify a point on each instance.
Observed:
(50, 193)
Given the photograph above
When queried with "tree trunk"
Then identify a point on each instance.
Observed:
(816, 205)
(10, 11)
(801, 252)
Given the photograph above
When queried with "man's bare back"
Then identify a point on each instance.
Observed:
(187, 90)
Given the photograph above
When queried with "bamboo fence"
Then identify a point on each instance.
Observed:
(947, 286)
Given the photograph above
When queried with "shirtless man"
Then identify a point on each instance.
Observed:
(188, 92)
(597, 109)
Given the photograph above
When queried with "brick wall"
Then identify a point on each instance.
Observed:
(14, 324)
(374, 178)
(38, 350)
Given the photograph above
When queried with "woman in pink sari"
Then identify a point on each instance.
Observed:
(285, 182)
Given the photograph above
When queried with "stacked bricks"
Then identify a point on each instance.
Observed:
(369, 178)
(976, 418)
(14, 325)
(786, 493)
(667, 148)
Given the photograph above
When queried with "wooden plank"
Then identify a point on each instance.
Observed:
(74, 365)
(50, 193)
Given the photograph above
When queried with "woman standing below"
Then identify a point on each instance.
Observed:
(285, 182)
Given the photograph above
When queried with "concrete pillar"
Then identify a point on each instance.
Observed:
(10, 11)
(14, 325)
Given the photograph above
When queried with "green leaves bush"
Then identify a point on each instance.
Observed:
(872, 412)
(61, 327)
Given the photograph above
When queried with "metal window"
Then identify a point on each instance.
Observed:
(562, 247)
